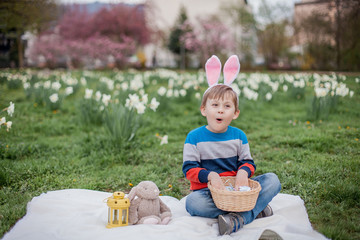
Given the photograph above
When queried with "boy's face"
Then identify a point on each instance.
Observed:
(219, 113)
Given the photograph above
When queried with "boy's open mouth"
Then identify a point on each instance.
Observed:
(219, 120)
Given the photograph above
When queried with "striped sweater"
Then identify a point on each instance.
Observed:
(224, 153)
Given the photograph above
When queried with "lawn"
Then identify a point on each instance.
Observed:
(77, 140)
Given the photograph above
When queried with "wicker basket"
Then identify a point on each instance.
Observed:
(235, 201)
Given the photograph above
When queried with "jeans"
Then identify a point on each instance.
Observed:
(200, 202)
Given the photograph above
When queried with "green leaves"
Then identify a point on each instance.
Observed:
(121, 123)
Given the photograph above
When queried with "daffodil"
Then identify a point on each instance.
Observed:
(2, 121)
(54, 98)
(164, 140)
(83, 81)
(98, 96)
(137, 83)
(8, 125)
(88, 93)
(182, 92)
(144, 99)
(26, 85)
(161, 91)
(125, 86)
(47, 84)
(321, 92)
(268, 96)
(132, 101)
(10, 109)
(69, 90)
(198, 95)
(106, 99)
(154, 104)
(56, 86)
(140, 108)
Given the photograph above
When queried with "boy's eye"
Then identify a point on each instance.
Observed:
(214, 104)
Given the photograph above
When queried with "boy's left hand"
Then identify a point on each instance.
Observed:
(216, 181)
(241, 179)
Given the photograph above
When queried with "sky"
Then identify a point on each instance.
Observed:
(255, 4)
(103, 1)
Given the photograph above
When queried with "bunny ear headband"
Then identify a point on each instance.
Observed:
(213, 70)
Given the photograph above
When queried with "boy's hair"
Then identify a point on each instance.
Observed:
(219, 92)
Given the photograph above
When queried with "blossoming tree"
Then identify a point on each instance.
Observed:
(109, 36)
(211, 36)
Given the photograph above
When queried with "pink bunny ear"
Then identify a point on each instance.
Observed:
(213, 70)
(231, 69)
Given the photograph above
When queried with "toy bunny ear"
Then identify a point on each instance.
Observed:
(132, 193)
(231, 69)
(213, 70)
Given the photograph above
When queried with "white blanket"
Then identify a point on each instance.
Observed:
(82, 214)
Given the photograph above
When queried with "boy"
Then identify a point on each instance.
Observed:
(219, 149)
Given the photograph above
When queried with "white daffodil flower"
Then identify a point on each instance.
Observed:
(106, 99)
(140, 108)
(164, 140)
(10, 109)
(68, 91)
(268, 96)
(8, 125)
(98, 96)
(54, 98)
(161, 91)
(154, 104)
(2, 121)
(56, 86)
(88, 93)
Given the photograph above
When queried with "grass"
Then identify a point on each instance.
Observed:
(317, 160)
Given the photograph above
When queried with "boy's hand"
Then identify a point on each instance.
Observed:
(216, 181)
(241, 179)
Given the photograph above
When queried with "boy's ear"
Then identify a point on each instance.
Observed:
(202, 110)
(237, 113)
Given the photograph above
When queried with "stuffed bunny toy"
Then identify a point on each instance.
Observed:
(147, 208)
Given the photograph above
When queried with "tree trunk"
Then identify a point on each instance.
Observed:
(338, 35)
(182, 56)
(20, 51)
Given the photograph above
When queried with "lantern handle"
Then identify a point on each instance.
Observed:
(106, 199)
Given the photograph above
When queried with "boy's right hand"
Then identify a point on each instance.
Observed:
(216, 181)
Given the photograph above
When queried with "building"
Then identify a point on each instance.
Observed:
(306, 8)
(327, 33)
(163, 16)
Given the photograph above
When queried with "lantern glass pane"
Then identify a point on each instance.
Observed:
(124, 216)
(116, 216)
(109, 216)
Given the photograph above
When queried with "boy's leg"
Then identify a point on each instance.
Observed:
(200, 203)
(270, 187)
